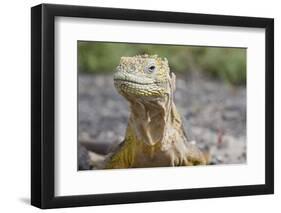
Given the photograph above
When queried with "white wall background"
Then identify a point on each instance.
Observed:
(15, 105)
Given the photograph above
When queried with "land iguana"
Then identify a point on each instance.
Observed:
(155, 135)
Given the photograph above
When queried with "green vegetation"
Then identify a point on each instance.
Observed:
(228, 64)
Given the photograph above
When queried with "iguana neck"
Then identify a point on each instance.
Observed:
(155, 121)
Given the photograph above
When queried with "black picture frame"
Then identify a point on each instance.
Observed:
(43, 105)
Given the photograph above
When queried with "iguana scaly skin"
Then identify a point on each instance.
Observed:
(155, 136)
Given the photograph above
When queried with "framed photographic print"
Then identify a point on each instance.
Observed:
(139, 106)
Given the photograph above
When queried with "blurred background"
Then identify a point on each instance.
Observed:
(210, 95)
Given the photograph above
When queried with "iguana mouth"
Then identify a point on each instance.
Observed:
(128, 83)
(132, 78)
(122, 81)
(137, 89)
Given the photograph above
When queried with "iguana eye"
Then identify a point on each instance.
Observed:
(151, 68)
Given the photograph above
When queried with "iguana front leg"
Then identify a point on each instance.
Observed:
(117, 161)
(196, 156)
(124, 157)
(189, 156)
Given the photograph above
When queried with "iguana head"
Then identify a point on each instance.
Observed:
(142, 76)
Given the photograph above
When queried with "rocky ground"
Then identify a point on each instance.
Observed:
(214, 114)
